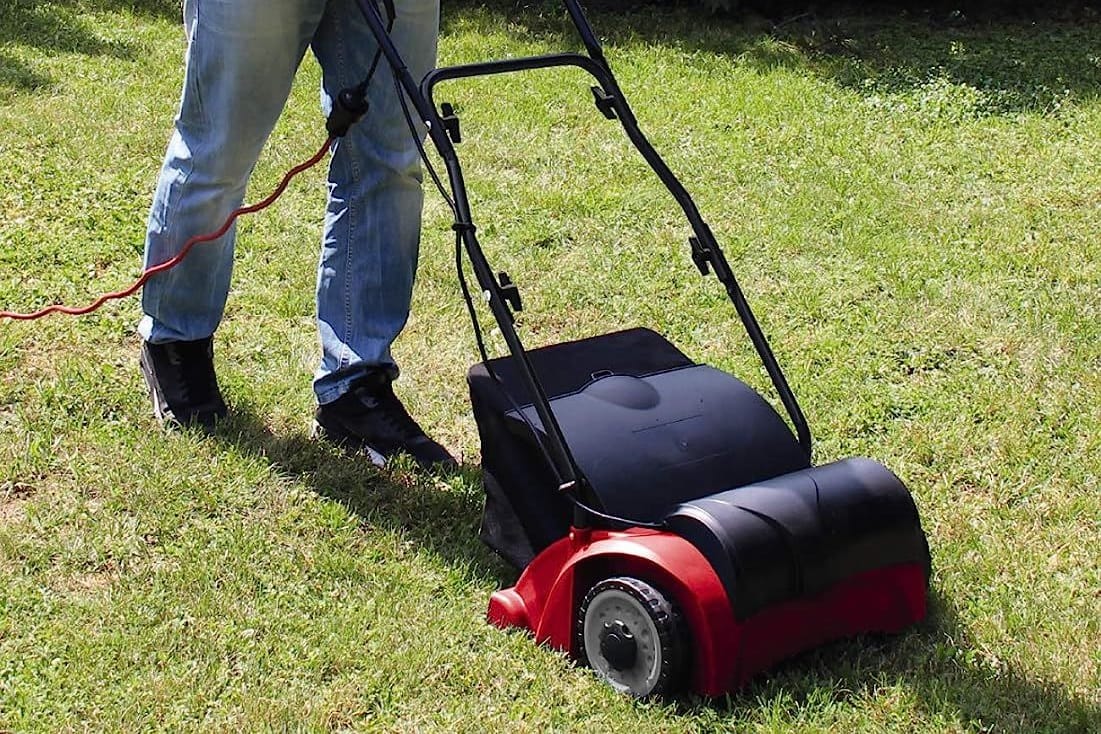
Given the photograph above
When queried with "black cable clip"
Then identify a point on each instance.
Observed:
(450, 122)
(604, 102)
(701, 255)
(509, 292)
(349, 107)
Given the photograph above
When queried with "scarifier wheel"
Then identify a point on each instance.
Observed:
(632, 636)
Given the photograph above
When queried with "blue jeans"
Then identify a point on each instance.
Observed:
(242, 56)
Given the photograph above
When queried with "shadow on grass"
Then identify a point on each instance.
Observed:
(166, 9)
(1004, 62)
(440, 514)
(991, 68)
(58, 27)
(952, 680)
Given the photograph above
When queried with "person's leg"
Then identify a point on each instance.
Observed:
(240, 63)
(241, 60)
(372, 236)
(373, 221)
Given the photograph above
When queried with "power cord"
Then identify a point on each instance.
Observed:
(349, 106)
(174, 261)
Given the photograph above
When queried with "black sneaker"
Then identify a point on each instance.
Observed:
(182, 385)
(369, 417)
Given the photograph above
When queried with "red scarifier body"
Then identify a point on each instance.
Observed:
(726, 652)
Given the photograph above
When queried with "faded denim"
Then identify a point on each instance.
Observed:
(242, 56)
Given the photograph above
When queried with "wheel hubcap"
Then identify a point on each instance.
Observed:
(622, 642)
(618, 645)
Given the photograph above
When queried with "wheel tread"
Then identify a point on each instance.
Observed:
(666, 618)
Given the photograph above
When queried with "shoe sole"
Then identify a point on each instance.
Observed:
(146, 371)
(348, 442)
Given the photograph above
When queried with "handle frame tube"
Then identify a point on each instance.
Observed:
(594, 63)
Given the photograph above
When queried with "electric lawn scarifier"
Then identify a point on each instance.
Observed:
(737, 552)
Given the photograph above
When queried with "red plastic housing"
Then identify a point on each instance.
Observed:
(726, 652)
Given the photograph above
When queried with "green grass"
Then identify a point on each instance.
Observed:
(913, 211)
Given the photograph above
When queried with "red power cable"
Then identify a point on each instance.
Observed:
(173, 262)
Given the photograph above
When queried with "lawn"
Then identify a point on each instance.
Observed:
(913, 209)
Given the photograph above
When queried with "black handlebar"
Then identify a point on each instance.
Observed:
(705, 249)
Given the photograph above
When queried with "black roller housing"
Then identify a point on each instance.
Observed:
(799, 534)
